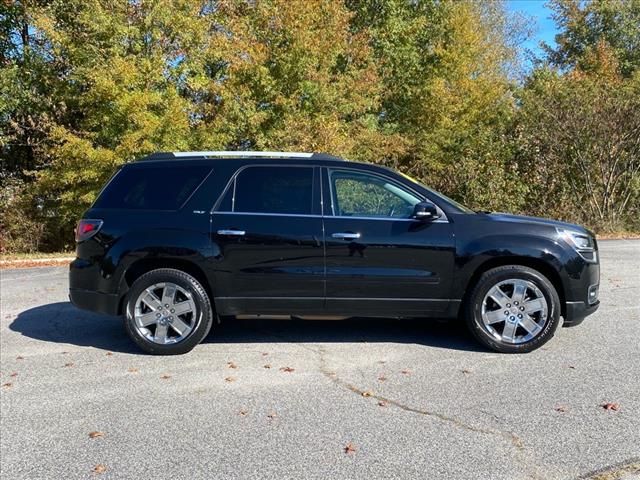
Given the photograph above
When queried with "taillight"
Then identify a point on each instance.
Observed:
(87, 228)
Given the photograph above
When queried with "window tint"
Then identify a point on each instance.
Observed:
(362, 195)
(152, 188)
(274, 190)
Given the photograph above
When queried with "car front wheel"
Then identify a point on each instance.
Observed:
(168, 312)
(513, 309)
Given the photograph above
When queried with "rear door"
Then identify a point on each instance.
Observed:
(267, 240)
(379, 260)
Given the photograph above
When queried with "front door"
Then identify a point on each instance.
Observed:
(380, 261)
(267, 240)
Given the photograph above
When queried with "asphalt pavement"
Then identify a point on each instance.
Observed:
(361, 398)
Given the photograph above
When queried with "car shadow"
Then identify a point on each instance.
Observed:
(63, 323)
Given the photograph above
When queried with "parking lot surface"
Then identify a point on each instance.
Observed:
(360, 398)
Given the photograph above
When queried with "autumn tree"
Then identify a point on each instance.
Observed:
(446, 91)
(290, 76)
(582, 137)
(587, 26)
(425, 86)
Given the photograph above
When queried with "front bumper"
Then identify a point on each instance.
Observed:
(95, 301)
(578, 311)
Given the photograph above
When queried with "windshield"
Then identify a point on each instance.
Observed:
(451, 201)
(439, 195)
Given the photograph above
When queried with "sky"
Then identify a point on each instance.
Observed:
(543, 29)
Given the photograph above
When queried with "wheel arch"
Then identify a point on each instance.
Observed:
(144, 265)
(537, 264)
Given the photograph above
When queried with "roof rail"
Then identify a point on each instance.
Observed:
(243, 154)
(239, 154)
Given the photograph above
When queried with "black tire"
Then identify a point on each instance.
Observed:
(473, 308)
(203, 315)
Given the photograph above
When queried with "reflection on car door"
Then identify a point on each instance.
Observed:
(268, 232)
(379, 261)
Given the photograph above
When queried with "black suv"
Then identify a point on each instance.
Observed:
(177, 240)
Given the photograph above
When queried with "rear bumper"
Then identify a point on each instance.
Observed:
(578, 311)
(94, 301)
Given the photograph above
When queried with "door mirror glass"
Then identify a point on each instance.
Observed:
(425, 211)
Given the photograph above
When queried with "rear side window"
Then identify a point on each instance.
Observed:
(152, 188)
(285, 190)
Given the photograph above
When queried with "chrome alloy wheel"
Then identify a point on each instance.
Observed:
(514, 311)
(165, 313)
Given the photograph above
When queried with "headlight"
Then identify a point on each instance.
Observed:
(582, 242)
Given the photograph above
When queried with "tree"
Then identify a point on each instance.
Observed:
(291, 75)
(586, 26)
(581, 140)
(444, 68)
(120, 80)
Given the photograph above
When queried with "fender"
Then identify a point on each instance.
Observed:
(173, 245)
(482, 253)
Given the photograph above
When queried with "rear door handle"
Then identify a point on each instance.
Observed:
(346, 235)
(232, 233)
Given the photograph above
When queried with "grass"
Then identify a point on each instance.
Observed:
(618, 235)
(36, 255)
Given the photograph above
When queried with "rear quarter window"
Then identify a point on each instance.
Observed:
(152, 188)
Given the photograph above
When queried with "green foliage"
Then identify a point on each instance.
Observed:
(20, 230)
(580, 144)
(587, 27)
(425, 86)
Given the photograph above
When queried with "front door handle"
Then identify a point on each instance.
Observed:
(346, 235)
(232, 233)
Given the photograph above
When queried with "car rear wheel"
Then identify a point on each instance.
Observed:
(513, 309)
(168, 312)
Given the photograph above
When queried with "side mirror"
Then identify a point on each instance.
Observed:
(425, 211)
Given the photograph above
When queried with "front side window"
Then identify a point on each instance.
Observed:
(357, 194)
(283, 190)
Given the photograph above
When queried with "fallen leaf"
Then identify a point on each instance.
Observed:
(405, 372)
(100, 468)
(14, 374)
(69, 364)
(561, 409)
(96, 434)
(264, 354)
(367, 393)
(165, 377)
(7, 385)
(466, 371)
(231, 365)
(287, 369)
(132, 370)
(349, 448)
(266, 366)
(382, 404)
(230, 379)
(611, 406)
(382, 378)
(19, 357)
(108, 354)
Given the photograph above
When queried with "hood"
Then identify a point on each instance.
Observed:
(507, 217)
